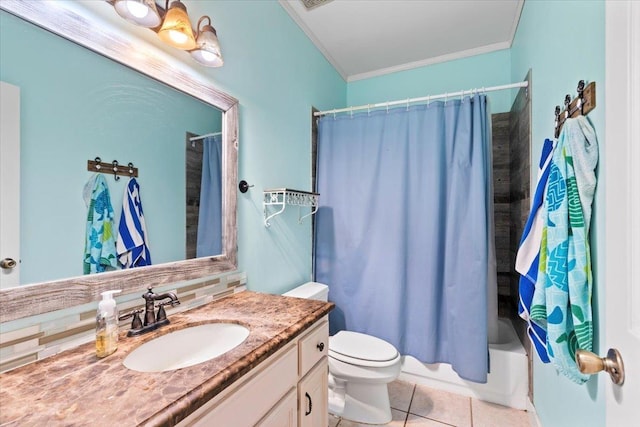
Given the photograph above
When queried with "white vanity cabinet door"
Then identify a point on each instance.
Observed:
(313, 397)
(245, 404)
(284, 414)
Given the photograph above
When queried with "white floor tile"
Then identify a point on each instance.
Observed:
(397, 420)
(400, 394)
(441, 406)
(416, 421)
(487, 414)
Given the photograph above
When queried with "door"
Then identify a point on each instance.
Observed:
(622, 150)
(313, 397)
(9, 185)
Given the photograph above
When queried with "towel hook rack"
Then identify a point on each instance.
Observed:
(579, 106)
(97, 165)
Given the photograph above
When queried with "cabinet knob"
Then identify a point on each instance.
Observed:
(320, 346)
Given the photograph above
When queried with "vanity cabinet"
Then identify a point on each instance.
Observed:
(288, 389)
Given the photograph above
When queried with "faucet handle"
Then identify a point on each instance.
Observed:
(136, 323)
(161, 315)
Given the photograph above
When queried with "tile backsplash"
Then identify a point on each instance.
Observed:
(67, 329)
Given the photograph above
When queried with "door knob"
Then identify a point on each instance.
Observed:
(8, 263)
(590, 363)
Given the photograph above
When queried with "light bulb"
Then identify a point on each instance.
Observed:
(178, 37)
(137, 9)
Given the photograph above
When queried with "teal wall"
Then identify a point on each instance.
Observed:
(490, 69)
(549, 43)
(75, 106)
(277, 74)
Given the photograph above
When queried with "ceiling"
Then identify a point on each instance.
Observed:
(367, 38)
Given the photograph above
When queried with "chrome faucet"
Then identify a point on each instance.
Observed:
(152, 320)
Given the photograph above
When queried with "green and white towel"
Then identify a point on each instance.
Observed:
(100, 241)
(562, 296)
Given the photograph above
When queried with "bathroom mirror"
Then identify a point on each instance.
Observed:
(66, 20)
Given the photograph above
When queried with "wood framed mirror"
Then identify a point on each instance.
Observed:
(65, 19)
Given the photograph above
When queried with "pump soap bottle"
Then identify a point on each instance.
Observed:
(107, 325)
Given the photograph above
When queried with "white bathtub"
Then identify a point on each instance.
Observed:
(507, 383)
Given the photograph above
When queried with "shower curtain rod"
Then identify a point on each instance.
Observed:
(195, 138)
(422, 99)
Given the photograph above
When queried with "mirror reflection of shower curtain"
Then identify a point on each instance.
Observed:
(210, 213)
(402, 233)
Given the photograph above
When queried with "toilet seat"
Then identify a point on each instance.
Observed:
(362, 350)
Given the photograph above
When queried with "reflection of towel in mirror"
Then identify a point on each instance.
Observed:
(100, 243)
(132, 246)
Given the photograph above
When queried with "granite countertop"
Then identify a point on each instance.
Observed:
(76, 388)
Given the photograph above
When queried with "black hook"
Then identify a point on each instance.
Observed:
(130, 169)
(98, 160)
(115, 170)
(557, 122)
(244, 186)
(567, 105)
(580, 90)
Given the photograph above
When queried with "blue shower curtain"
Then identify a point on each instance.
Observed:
(402, 230)
(209, 241)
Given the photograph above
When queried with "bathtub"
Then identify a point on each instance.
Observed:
(507, 383)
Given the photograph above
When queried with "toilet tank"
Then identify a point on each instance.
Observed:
(310, 290)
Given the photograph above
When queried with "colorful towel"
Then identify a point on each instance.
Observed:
(528, 255)
(562, 296)
(100, 243)
(132, 246)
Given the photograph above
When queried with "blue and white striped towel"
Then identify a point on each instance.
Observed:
(529, 252)
(132, 246)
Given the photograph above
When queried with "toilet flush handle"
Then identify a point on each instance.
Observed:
(320, 346)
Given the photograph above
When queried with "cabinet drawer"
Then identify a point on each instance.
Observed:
(312, 347)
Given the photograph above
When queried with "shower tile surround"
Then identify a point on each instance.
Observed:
(76, 388)
(421, 406)
(25, 345)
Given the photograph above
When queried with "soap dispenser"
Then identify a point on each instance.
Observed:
(107, 325)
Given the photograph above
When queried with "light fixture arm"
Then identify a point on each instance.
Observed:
(207, 27)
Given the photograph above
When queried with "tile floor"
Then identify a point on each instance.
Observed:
(420, 406)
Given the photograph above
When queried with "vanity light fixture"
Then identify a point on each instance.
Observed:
(207, 51)
(139, 12)
(176, 28)
(173, 26)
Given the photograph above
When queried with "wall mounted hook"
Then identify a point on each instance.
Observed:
(244, 186)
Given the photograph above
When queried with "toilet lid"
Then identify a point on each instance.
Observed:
(362, 349)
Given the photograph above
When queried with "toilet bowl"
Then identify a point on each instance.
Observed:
(360, 367)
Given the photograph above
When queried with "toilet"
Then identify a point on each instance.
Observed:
(360, 367)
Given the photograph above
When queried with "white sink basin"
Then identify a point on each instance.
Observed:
(186, 347)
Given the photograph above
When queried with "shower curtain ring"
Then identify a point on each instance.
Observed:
(407, 104)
